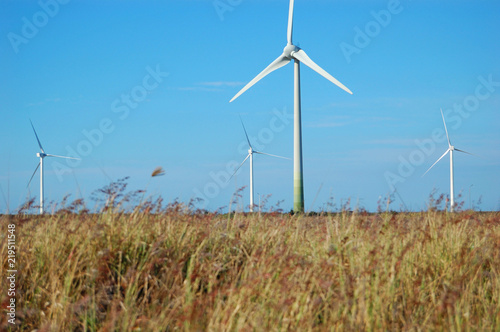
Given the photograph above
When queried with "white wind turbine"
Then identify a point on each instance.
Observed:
(292, 52)
(251, 151)
(42, 155)
(451, 148)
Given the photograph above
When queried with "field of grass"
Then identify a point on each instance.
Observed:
(172, 269)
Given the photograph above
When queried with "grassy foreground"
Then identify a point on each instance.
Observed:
(184, 271)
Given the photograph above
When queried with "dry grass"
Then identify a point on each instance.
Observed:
(180, 270)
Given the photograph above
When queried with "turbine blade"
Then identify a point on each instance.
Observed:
(276, 64)
(39, 144)
(36, 169)
(302, 57)
(466, 152)
(305, 59)
(248, 140)
(444, 154)
(53, 155)
(272, 155)
(445, 129)
(290, 23)
(248, 155)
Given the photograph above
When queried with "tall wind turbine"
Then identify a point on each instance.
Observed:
(451, 148)
(42, 155)
(251, 151)
(292, 52)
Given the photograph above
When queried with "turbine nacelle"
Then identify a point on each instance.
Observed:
(452, 148)
(250, 150)
(41, 155)
(289, 50)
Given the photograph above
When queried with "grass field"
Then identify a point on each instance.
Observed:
(169, 268)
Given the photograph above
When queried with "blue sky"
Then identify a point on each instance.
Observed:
(132, 85)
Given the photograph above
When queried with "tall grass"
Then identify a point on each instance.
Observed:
(170, 268)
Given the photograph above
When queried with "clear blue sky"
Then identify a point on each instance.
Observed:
(70, 66)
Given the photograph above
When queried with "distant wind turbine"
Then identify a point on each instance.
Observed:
(251, 151)
(451, 148)
(40, 164)
(292, 52)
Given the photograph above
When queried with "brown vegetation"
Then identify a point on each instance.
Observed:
(173, 269)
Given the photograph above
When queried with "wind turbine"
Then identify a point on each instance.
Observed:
(251, 151)
(292, 52)
(451, 148)
(42, 155)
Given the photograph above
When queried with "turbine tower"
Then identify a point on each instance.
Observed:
(451, 148)
(251, 151)
(42, 155)
(292, 52)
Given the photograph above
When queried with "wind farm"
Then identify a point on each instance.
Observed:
(336, 135)
(160, 210)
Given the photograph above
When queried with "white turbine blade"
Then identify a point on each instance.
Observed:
(302, 57)
(276, 64)
(39, 144)
(445, 129)
(444, 154)
(272, 155)
(248, 140)
(36, 169)
(53, 155)
(290, 23)
(239, 166)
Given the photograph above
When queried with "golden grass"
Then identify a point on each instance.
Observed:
(182, 271)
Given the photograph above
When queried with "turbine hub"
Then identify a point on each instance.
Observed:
(452, 148)
(289, 50)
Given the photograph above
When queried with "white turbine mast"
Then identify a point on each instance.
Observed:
(292, 52)
(42, 155)
(450, 149)
(251, 151)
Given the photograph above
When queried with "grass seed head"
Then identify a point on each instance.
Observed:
(159, 171)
